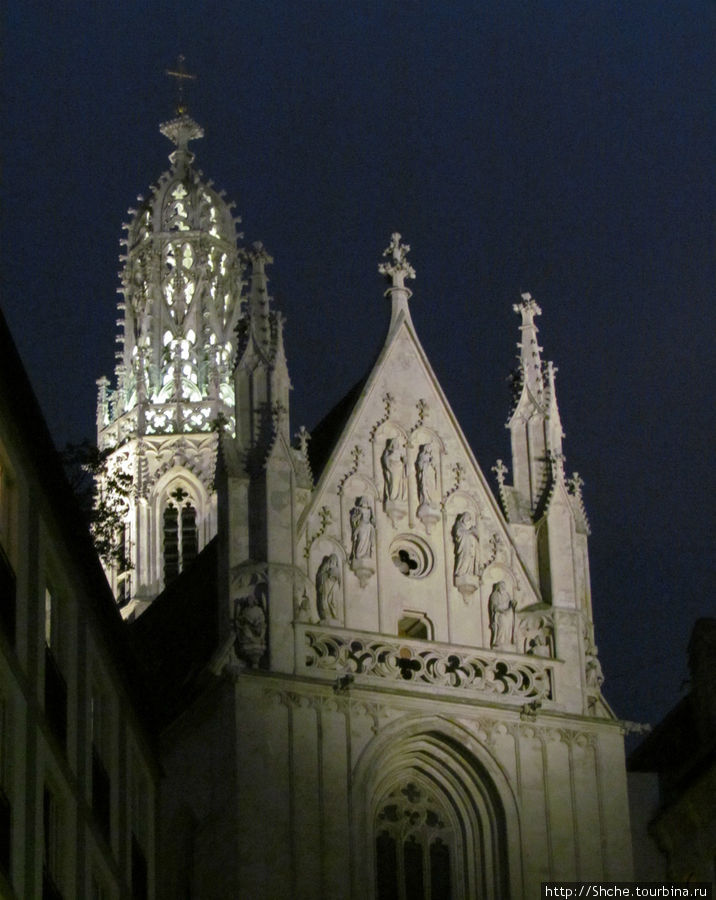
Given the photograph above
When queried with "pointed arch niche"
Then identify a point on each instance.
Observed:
(437, 817)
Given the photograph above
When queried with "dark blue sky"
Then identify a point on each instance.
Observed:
(562, 147)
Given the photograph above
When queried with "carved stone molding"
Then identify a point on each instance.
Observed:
(342, 703)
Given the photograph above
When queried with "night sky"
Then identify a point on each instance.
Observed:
(564, 148)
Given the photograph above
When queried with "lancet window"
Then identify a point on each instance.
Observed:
(414, 847)
(124, 573)
(181, 537)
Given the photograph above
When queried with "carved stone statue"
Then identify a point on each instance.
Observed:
(594, 674)
(466, 544)
(328, 580)
(392, 462)
(427, 477)
(362, 529)
(534, 632)
(362, 539)
(502, 617)
(250, 627)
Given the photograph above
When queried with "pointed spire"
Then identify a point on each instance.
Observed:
(259, 306)
(102, 405)
(554, 422)
(574, 487)
(530, 349)
(534, 423)
(398, 269)
(261, 377)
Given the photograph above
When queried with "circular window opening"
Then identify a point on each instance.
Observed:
(411, 556)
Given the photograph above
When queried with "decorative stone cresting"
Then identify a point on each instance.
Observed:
(443, 666)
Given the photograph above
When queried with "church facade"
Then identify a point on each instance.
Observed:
(374, 677)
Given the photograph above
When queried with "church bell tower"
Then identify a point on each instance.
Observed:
(182, 286)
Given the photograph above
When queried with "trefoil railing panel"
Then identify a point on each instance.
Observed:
(373, 656)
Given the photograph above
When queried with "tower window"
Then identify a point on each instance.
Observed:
(181, 538)
(124, 573)
(171, 543)
(189, 537)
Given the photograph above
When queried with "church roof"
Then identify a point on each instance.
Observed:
(683, 745)
(327, 433)
(177, 635)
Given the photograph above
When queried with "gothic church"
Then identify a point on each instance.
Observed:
(372, 677)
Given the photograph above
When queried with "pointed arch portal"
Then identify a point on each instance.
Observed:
(439, 818)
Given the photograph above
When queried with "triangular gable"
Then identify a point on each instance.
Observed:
(402, 524)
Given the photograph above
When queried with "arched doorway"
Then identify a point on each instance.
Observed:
(439, 820)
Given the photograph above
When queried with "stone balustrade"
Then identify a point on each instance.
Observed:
(370, 658)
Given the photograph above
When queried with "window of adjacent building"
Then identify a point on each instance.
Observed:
(55, 684)
(5, 806)
(6, 507)
(100, 891)
(7, 575)
(52, 629)
(8, 594)
(52, 851)
(101, 781)
(139, 788)
(181, 539)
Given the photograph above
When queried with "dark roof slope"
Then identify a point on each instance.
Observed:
(177, 636)
(328, 431)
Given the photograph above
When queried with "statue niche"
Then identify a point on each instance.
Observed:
(466, 545)
(395, 480)
(534, 632)
(426, 479)
(328, 581)
(362, 539)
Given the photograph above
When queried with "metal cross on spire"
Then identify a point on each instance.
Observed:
(181, 75)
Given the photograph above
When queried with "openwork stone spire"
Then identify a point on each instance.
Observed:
(182, 283)
(397, 269)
